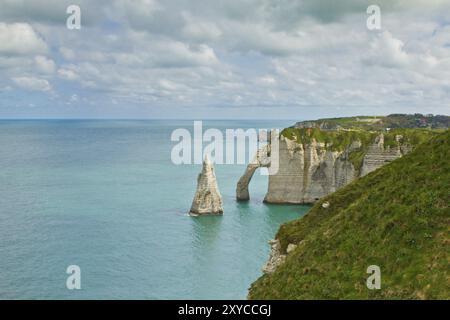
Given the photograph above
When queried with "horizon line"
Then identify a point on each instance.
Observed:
(147, 119)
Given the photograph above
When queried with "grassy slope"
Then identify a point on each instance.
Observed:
(397, 217)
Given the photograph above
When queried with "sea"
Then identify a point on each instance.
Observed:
(105, 196)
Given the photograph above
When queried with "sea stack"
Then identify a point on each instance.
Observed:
(207, 199)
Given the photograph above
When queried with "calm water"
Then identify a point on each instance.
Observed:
(104, 195)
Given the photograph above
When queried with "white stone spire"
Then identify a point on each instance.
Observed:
(207, 199)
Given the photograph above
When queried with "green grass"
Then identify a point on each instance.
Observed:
(334, 140)
(397, 217)
(412, 137)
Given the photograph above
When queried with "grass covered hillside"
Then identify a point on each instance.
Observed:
(397, 218)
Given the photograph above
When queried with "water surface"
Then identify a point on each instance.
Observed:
(104, 195)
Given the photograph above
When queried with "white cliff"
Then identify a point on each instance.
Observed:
(378, 155)
(207, 199)
(310, 171)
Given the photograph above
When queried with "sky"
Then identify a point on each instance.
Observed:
(223, 59)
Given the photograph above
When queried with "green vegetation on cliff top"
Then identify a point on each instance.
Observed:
(340, 140)
(397, 218)
(416, 120)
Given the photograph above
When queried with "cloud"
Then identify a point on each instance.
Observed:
(52, 12)
(67, 74)
(32, 83)
(225, 54)
(200, 31)
(44, 64)
(181, 54)
(47, 11)
(20, 38)
(388, 51)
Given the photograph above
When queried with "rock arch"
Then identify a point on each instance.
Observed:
(262, 159)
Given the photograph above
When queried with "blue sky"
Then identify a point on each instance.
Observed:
(265, 59)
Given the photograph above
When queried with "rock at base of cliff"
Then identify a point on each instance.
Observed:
(207, 199)
(276, 258)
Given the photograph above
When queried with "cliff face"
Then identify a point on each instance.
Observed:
(314, 163)
(378, 155)
(308, 172)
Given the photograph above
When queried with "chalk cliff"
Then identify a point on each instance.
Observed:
(207, 199)
(314, 163)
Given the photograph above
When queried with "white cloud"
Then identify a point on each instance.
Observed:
(199, 30)
(20, 38)
(267, 80)
(67, 53)
(73, 98)
(388, 51)
(168, 85)
(44, 64)
(67, 74)
(32, 83)
(201, 55)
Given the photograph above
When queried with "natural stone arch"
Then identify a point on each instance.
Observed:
(261, 159)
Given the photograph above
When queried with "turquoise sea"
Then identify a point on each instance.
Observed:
(104, 195)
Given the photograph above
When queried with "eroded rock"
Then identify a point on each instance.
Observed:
(291, 247)
(276, 258)
(207, 199)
